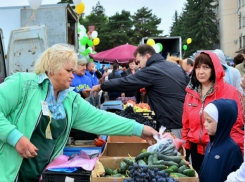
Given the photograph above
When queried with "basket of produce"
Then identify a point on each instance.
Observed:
(147, 166)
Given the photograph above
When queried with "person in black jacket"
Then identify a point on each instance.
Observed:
(164, 82)
(114, 74)
(222, 155)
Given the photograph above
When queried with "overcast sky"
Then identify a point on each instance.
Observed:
(163, 9)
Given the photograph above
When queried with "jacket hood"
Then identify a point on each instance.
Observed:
(154, 58)
(227, 116)
(221, 56)
(218, 69)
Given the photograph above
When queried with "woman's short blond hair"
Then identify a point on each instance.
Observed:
(54, 58)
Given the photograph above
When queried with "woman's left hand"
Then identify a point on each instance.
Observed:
(148, 133)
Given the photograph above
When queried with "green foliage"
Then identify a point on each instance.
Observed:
(145, 24)
(197, 21)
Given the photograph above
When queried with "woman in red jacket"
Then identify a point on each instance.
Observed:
(207, 84)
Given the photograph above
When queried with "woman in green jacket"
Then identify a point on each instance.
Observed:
(38, 110)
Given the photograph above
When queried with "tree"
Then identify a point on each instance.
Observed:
(198, 21)
(145, 25)
(65, 1)
(121, 28)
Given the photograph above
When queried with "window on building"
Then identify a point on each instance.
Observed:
(240, 42)
(243, 20)
(243, 2)
(240, 21)
(243, 41)
(239, 3)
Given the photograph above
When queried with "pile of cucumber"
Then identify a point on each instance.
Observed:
(173, 166)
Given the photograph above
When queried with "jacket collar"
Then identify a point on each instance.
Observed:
(154, 58)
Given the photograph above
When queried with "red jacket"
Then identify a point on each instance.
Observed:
(193, 119)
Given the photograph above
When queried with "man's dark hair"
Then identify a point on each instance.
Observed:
(144, 49)
(189, 61)
(238, 59)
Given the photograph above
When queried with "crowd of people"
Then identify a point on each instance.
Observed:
(200, 101)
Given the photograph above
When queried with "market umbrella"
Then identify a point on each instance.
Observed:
(120, 54)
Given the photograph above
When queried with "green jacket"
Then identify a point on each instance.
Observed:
(20, 108)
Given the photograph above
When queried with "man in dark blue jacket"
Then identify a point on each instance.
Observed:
(164, 82)
(222, 155)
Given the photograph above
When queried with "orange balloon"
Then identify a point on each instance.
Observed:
(80, 8)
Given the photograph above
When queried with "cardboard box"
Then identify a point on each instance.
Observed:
(114, 163)
(126, 149)
(125, 139)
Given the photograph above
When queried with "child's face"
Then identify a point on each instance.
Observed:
(210, 124)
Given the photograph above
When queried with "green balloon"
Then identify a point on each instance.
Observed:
(84, 41)
(184, 47)
(87, 51)
(84, 53)
(91, 60)
(78, 30)
(90, 43)
(160, 45)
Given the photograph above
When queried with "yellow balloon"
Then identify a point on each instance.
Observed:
(189, 40)
(80, 8)
(150, 42)
(96, 41)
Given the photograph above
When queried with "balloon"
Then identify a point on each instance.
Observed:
(96, 41)
(84, 40)
(87, 51)
(94, 34)
(87, 57)
(82, 34)
(90, 43)
(160, 45)
(90, 49)
(156, 48)
(184, 47)
(76, 2)
(82, 48)
(35, 3)
(84, 53)
(80, 8)
(150, 42)
(189, 40)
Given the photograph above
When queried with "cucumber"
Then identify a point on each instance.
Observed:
(189, 172)
(168, 171)
(108, 171)
(114, 172)
(160, 162)
(123, 167)
(142, 155)
(170, 163)
(118, 176)
(155, 158)
(182, 162)
(150, 159)
(182, 168)
(175, 159)
(128, 161)
(178, 175)
(141, 163)
(174, 168)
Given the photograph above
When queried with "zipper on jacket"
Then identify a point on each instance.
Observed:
(67, 135)
(200, 113)
(22, 107)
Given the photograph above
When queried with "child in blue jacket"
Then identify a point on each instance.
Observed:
(222, 155)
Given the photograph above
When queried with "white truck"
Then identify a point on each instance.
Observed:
(24, 35)
(172, 46)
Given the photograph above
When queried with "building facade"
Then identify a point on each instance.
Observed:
(231, 23)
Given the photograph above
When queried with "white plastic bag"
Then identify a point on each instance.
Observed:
(164, 144)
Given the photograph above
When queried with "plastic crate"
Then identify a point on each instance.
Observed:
(78, 176)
